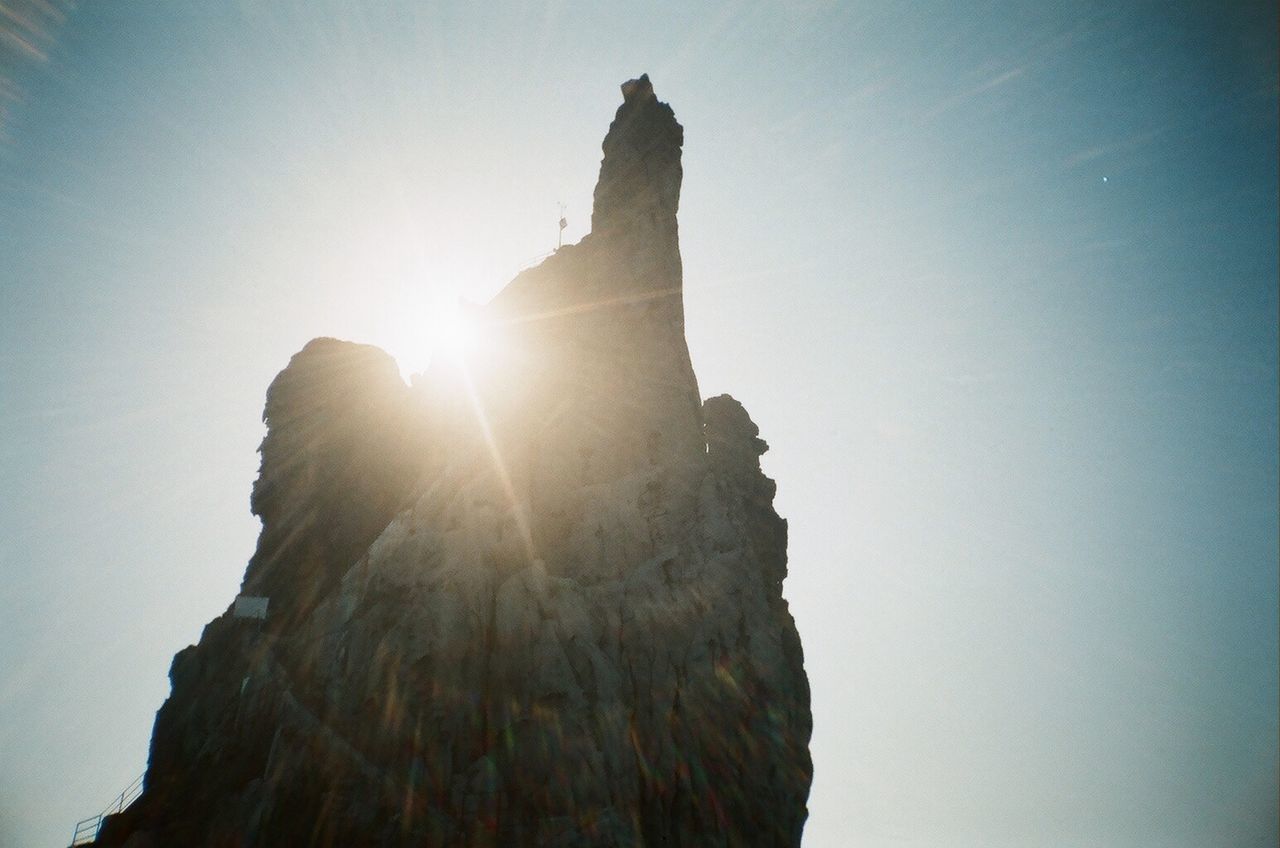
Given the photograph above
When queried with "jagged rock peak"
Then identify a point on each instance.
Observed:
(732, 437)
(542, 609)
(339, 455)
(637, 89)
(639, 186)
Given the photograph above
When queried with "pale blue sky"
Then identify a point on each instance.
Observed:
(999, 286)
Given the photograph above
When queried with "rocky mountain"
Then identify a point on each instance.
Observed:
(535, 600)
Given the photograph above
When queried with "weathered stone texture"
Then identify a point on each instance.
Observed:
(536, 603)
(342, 453)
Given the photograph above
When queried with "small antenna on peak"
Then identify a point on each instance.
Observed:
(564, 222)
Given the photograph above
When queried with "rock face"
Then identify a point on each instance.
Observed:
(341, 455)
(535, 602)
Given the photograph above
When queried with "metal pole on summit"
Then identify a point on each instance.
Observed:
(563, 223)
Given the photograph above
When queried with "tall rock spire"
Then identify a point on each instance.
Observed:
(607, 315)
(638, 191)
(568, 628)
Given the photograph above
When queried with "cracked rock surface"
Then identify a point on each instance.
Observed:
(535, 600)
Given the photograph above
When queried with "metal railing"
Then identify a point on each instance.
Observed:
(87, 829)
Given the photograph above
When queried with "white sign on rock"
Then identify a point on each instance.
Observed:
(249, 606)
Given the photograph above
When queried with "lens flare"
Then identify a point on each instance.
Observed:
(456, 335)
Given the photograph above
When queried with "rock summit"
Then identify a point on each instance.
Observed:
(535, 600)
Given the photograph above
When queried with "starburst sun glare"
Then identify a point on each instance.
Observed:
(450, 334)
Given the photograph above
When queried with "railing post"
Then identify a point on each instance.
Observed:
(89, 827)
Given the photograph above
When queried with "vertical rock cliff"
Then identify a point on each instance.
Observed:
(536, 601)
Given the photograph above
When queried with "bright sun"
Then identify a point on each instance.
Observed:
(455, 334)
(452, 334)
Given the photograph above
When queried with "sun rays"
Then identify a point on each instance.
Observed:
(590, 306)
(464, 348)
(499, 464)
(418, 335)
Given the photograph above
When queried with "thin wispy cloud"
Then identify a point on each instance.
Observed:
(1128, 144)
(968, 94)
(28, 29)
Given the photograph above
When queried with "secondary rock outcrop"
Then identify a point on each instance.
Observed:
(536, 601)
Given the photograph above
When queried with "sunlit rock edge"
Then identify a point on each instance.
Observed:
(534, 600)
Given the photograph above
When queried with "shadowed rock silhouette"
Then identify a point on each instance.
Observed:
(534, 601)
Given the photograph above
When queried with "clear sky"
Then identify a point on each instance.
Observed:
(998, 282)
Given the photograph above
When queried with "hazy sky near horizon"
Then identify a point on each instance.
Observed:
(999, 285)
